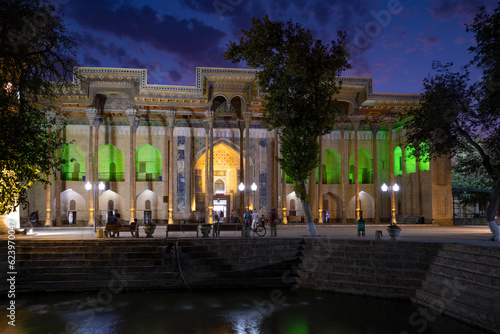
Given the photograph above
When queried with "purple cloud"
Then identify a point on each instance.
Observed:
(446, 10)
(190, 39)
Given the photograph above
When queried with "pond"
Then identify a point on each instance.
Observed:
(256, 311)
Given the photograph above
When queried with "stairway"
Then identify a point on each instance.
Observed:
(464, 282)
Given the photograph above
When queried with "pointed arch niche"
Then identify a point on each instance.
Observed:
(226, 169)
(148, 163)
(111, 164)
(73, 168)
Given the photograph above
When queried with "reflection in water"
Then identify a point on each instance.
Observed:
(259, 311)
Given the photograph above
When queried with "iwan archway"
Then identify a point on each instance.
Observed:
(225, 178)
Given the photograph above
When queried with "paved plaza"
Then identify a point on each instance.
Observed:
(471, 235)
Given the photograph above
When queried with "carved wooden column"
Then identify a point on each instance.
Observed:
(342, 127)
(241, 125)
(247, 117)
(134, 124)
(209, 115)
(97, 123)
(374, 127)
(91, 113)
(390, 121)
(49, 115)
(171, 177)
(320, 181)
(355, 124)
(57, 190)
(283, 194)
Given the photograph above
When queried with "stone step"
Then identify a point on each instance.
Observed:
(471, 276)
(477, 292)
(357, 288)
(85, 263)
(477, 267)
(459, 309)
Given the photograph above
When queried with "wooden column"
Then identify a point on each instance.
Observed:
(355, 124)
(49, 115)
(134, 123)
(90, 163)
(320, 181)
(209, 115)
(171, 177)
(374, 127)
(342, 127)
(247, 117)
(390, 121)
(241, 125)
(59, 125)
(97, 123)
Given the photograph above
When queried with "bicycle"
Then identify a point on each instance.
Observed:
(260, 230)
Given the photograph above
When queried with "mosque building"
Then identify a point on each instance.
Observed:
(167, 153)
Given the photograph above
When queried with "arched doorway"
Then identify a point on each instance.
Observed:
(226, 178)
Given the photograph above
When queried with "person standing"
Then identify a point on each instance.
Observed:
(255, 219)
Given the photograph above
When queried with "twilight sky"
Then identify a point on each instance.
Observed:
(392, 41)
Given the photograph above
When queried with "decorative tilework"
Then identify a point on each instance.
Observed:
(263, 184)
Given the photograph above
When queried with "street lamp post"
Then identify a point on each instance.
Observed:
(95, 195)
(391, 191)
(253, 187)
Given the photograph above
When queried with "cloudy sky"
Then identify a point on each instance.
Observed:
(392, 41)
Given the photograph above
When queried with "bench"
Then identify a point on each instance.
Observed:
(182, 228)
(226, 227)
(111, 228)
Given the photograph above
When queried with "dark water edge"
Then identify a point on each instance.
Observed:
(255, 311)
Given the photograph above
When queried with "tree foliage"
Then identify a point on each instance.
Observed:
(298, 77)
(35, 52)
(458, 116)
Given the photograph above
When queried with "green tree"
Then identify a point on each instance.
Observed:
(298, 77)
(467, 171)
(35, 52)
(460, 117)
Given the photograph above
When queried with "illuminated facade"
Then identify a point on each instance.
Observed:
(171, 153)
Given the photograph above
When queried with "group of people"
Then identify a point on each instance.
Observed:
(252, 220)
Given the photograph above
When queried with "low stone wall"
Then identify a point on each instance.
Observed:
(457, 280)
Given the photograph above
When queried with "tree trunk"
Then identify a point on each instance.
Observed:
(311, 228)
(491, 211)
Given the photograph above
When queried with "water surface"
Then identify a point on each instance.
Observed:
(256, 311)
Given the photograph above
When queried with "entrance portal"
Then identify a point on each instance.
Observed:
(221, 206)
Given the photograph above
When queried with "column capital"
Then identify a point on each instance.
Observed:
(247, 116)
(374, 126)
(356, 121)
(133, 120)
(91, 113)
(389, 120)
(97, 122)
(171, 118)
(209, 119)
(342, 126)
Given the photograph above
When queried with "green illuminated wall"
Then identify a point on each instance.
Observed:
(331, 161)
(365, 167)
(74, 168)
(398, 161)
(410, 160)
(111, 164)
(148, 163)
